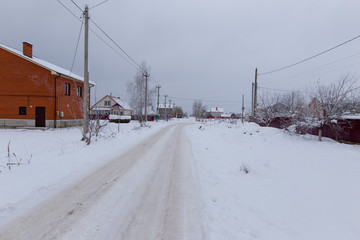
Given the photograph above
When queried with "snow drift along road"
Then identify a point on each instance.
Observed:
(150, 192)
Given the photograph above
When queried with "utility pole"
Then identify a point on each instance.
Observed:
(170, 107)
(292, 101)
(165, 108)
(242, 109)
(86, 75)
(252, 99)
(146, 75)
(157, 107)
(255, 91)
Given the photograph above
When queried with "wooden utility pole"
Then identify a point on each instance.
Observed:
(255, 92)
(86, 75)
(165, 107)
(242, 109)
(170, 106)
(157, 106)
(252, 100)
(292, 102)
(146, 75)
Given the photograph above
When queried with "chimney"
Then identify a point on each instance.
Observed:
(27, 49)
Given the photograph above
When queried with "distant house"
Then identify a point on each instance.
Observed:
(110, 105)
(36, 93)
(315, 108)
(166, 110)
(214, 112)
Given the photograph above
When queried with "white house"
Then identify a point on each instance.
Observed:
(215, 112)
(110, 105)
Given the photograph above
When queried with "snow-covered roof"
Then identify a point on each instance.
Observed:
(45, 64)
(217, 109)
(122, 103)
(167, 105)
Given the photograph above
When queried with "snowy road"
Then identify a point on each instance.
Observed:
(150, 192)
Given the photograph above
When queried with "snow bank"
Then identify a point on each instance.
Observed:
(295, 188)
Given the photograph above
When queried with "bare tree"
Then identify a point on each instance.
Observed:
(198, 109)
(330, 103)
(269, 107)
(178, 112)
(136, 92)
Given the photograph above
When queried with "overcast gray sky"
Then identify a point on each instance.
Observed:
(197, 49)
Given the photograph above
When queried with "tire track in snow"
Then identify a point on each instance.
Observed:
(147, 193)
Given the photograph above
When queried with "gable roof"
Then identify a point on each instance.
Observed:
(216, 110)
(122, 103)
(118, 101)
(45, 64)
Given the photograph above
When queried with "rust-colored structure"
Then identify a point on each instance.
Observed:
(35, 93)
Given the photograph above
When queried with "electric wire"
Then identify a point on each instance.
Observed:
(115, 43)
(77, 45)
(309, 58)
(154, 80)
(68, 10)
(340, 61)
(77, 5)
(124, 58)
(204, 100)
(98, 4)
(283, 90)
(132, 64)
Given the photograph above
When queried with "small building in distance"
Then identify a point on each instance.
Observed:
(166, 111)
(214, 112)
(110, 105)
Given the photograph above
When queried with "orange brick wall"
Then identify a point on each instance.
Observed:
(25, 84)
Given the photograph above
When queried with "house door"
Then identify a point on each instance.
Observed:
(40, 117)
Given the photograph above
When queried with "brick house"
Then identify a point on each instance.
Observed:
(35, 93)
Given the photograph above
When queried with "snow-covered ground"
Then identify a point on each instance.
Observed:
(295, 188)
(256, 183)
(57, 159)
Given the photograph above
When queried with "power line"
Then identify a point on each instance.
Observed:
(340, 61)
(115, 43)
(154, 80)
(132, 64)
(309, 58)
(68, 10)
(99, 4)
(77, 5)
(282, 90)
(204, 100)
(77, 45)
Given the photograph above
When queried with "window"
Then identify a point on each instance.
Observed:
(67, 89)
(79, 91)
(22, 110)
(107, 103)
